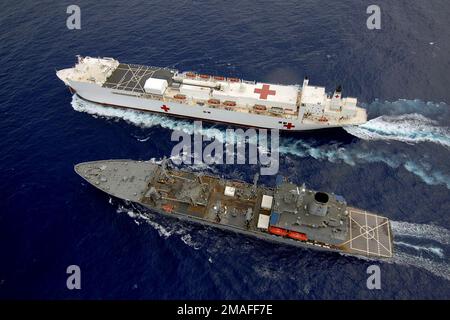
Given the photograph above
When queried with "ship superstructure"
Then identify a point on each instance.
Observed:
(287, 213)
(211, 98)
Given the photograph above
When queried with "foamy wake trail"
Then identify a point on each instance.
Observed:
(409, 128)
(353, 156)
(142, 119)
(434, 250)
(440, 269)
(422, 231)
(164, 231)
(331, 152)
(437, 265)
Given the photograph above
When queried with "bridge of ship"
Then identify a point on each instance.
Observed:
(369, 234)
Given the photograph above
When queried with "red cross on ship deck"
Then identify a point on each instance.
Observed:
(264, 91)
(165, 108)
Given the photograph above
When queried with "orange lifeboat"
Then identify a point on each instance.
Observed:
(214, 101)
(167, 208)
(229, 103)
(190, 75)
(297, 235)
(278, 231)
(219, 78)
(204, 76)
(259, 107)
(323, 119)
(180, 96)
(233, 79)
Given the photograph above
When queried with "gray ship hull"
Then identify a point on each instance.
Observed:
(207, 200)
(258, 235)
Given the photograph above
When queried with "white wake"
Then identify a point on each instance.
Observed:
(422, 231)
(434, 250)
(354, 155)
(164, 231)
(439, 265)
(440, 269)
(409, 128)
(143, 119)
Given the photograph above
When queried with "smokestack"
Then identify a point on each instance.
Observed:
(319, 206)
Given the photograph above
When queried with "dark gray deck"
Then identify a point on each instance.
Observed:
(292, 216)
(132, 77)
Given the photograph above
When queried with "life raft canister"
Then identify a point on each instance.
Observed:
(278, 231)
(229, 103)
(260, 107)
(214, 101)
(297, 235)
(167, 208)
(219, 78)
(180, 96)
(233, 79)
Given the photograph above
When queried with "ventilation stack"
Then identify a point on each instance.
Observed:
(319, 206)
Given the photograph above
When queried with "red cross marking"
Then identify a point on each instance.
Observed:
(264, 91)
(337, 96)
(289, 126)
(165, 108)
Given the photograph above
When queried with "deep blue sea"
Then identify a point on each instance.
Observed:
(396, 165)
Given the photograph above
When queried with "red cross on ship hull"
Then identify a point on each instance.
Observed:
(289, 126)
(165, 108)
(264, 91)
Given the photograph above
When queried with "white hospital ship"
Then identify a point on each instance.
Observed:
(210, 98)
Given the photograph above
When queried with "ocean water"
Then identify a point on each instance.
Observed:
(396, 165)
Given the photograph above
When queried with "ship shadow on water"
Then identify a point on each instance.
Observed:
(322, 136)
